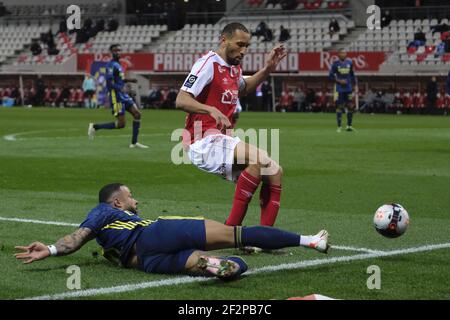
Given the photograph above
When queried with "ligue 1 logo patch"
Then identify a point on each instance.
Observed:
(190, 81)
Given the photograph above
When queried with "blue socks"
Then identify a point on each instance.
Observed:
(109, 125)
(265, 237)
(136, 126)
(339, 118)
(349, 118)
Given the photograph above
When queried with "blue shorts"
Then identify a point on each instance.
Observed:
(342, 98)
(120, 103)
(165, 245)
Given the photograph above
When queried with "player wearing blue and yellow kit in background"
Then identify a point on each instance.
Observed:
(169, 244)
(342, 73)
(119, 100)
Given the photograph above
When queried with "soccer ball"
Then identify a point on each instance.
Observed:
(391, 220)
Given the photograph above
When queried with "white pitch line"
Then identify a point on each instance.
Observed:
(285, 266)
(13, 136)
(347, 248)
(56, 223)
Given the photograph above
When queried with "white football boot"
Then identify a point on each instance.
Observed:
(138, 146)
(319, 242)
(91, 131)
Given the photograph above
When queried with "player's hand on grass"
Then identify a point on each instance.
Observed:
(222, 120)
(277, 54)
(33, 252)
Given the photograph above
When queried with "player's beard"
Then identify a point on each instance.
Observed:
(133, 210)
(234, 61)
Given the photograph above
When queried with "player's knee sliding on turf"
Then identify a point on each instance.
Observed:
(169, 245)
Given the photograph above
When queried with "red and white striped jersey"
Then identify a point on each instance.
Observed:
(213, 82)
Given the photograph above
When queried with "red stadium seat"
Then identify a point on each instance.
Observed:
(429, 49)
(446, 57)
(40, 59)
(445, 35)
(412, 50)
(59, 59)
(421, 57)
(340, 5)
(22, 58)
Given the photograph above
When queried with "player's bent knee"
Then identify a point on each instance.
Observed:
(264, 159)
(254, 170)
(280, 171)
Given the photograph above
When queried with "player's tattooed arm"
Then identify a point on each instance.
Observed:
(73, 242)
(64, 246)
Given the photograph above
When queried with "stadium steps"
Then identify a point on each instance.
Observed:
(349, 38)
(164, 38)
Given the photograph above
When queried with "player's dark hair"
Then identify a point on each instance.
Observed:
(231, 28)
(107, 191)
(113, 46)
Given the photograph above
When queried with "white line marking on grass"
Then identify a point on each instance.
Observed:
(347, 248)
(285, 266)
(56, 223)
(13, 136)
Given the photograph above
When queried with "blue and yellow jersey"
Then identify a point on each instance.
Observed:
(115, 79)
(115, 230)
(343, 70)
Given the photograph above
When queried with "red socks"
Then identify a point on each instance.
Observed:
(245, 188)
(269, 196)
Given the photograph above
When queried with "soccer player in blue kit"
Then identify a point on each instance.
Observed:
(342, 73)
(119, 100)
(169, 245)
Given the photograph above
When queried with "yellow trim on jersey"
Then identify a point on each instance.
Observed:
(117, 106)
(181, 218)
(129, 225)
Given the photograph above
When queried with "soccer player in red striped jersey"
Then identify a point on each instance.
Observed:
(209, 96)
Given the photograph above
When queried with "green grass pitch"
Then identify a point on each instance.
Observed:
(50, 171)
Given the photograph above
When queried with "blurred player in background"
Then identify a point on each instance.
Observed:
(209, 95)
(89, 88)
(341, 72)
(119, 100)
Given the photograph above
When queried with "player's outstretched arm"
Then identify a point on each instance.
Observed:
(64, 246)
(277, 54)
